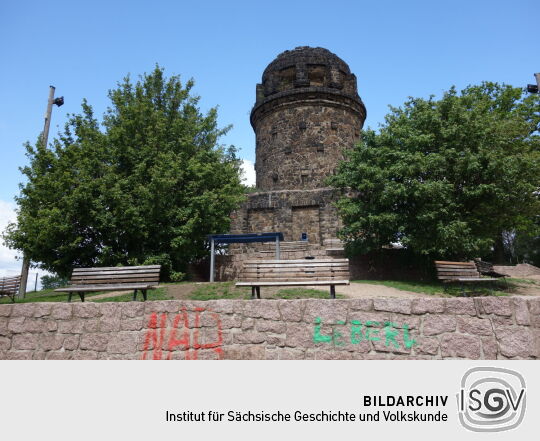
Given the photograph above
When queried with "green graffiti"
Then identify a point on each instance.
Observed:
(356, 332)
(337, 335)
(368, 331)
(372, 334)
(409, 342)
(317, 336)
(391, 333)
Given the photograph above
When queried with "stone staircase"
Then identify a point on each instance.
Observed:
(228, 266)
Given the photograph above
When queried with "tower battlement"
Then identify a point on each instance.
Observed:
(306, 113)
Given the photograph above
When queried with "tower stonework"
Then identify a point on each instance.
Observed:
(307, 113)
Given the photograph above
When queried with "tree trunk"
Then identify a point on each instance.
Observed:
(498, 250)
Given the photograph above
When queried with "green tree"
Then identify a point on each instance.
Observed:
(445, 177)
(146, 188)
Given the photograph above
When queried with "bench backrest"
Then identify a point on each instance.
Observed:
(116, 275)
(10, 285)
(455, 270)
(295, 270)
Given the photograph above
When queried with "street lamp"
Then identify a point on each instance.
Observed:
(44, 139)
(534, 88)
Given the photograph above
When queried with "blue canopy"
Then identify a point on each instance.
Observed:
(246, 238)
(241, 238)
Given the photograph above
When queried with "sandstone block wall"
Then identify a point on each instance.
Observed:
(379, 328)
(300, 146)
(291, 212)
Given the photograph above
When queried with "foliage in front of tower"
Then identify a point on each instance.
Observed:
(446, 177)
(145, 189)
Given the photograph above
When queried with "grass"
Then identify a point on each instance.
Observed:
(421, 287)
(227, 290)
(48, 295)
(304, 293)
(527, 281)
(451, 289)
(220, 290)
(45, 295)
(152, 294)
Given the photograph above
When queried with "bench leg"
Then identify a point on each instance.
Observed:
(144, 295)
(69, 296)
(258, 292)
(252, 292)
(81, 295)
(332, 291)
(134, 295)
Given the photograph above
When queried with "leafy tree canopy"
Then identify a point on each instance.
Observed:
(145, 188)
(445, 177)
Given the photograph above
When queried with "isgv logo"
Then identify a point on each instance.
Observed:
(491, 399)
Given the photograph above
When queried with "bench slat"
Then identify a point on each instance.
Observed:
(444, 262)
(296, 265)
(112, 276)
(297, 283)
(305, 261)
(293, 273)
(109, 281)
(119, 278)
(118, 268)
(320, 269)
(114, 273)
(119, 287)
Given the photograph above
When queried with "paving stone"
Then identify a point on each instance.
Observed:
(462, 346)
(515, 341)
(460, 306)
(403, 306)
(438, 324)
(497, 306)
(473, 325)
(421, 306)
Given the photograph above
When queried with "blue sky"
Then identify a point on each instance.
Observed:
(396, 49)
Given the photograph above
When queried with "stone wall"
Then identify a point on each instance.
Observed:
(299, 146)
(380, 328)
(307, 113)
(291, 212)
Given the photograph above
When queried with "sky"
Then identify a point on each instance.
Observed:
(396, 49)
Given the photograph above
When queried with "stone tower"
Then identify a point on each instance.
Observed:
(307, 112)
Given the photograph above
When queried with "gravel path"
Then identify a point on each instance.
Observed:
(352, 291)
(360, 290)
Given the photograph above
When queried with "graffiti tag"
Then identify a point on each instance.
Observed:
(164, 337)
(367, 331)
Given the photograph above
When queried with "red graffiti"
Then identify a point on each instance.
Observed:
(180, 336)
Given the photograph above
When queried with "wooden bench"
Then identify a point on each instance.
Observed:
(9, 286)
(115, 278)
(460, 272)
(487, 269)
(304, 272)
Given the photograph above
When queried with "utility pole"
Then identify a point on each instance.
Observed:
(531, 88)
(44, 139)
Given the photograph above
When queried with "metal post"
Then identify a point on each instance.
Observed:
(35, 285)
(48, 113)
(212, 263)
(278, 254)
(24, 277)
(44, 140)
(537, 76)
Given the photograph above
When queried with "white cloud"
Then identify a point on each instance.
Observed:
(248, 173)
(9, 265)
